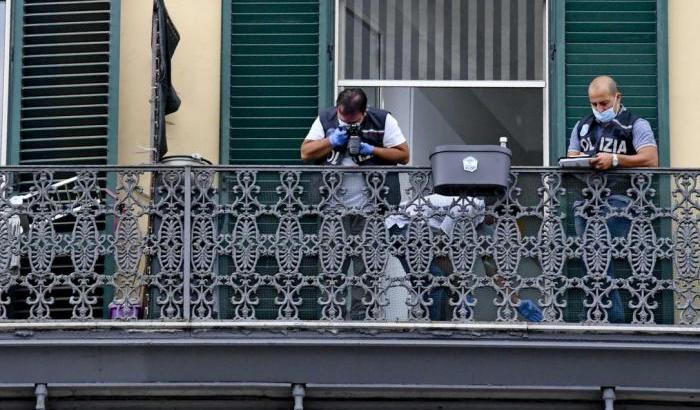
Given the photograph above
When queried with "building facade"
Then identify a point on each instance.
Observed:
(487, 70)
(128, 284)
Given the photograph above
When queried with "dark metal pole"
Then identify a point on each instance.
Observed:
(187, 244)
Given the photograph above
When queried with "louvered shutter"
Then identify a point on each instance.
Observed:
(617, 38)
(274, 76)
(64, 70)
(64, 102)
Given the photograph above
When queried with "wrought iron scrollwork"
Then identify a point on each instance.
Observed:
(339, 244)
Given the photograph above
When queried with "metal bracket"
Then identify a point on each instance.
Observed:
(41, 392)
(298, 392)
(609, 398)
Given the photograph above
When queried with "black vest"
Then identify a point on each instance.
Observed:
(616, 136)
(372, 127)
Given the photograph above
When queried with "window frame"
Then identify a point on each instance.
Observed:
(543, 84)
(6, 80)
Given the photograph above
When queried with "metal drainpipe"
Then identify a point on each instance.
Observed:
(298, 392)
(609, 398)
(41, 393)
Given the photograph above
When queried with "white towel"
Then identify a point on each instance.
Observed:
(441, 210)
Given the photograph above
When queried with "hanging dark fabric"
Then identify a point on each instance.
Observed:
(165, 39)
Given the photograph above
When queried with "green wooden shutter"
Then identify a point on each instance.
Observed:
(617, 38)
(271, 76)
(65, 75)
(64, 101)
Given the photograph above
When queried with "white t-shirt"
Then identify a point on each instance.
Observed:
(353, 183)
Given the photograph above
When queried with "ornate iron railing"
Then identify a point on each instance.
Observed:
(362, 244)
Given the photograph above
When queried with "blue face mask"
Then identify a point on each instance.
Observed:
(605, 116)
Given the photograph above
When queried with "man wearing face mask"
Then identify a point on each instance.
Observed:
(613, 137)
(381, 142)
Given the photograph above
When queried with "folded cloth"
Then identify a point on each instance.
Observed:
(441, 211)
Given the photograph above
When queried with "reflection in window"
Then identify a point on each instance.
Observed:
(475, 116)
(442, 39)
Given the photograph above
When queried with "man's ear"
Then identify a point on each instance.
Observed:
(618, 101)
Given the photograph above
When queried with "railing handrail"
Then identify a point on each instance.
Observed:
(317, 168)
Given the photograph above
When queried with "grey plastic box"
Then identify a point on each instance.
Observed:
(482, 170)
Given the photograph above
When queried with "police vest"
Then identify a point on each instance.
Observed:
(372, 127)
(615, 138)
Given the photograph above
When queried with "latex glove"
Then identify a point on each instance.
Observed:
(338, 138)
(366, 149)
(529, 310)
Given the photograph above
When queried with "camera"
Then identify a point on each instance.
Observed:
(354, 133)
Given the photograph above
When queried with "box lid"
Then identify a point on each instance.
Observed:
(470, 149)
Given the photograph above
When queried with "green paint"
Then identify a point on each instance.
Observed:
(275, 74)
(557, 101)
(626, 40)
(113, 100)
(325, 53)
(663, 85)
(112, 138)
(81, 128)
(15, 92)
(225, 106)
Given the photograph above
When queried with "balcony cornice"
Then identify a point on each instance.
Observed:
(350, 326)
(500, 356)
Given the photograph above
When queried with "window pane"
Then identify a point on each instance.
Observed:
(2, 61)
(438, 116)
(442, 39)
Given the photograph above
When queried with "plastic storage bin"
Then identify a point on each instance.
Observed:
(482, 170)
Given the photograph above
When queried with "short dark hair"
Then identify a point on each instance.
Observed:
(352, 101)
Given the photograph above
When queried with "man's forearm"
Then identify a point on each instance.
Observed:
(395, 155)
(311, 150)
(646, 157)
(638, 161)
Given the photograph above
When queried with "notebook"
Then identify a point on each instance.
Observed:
(575, 162)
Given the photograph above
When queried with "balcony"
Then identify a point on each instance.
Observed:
(211, 274)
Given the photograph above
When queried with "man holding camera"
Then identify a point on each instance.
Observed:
(381, 141)
(352, 134)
